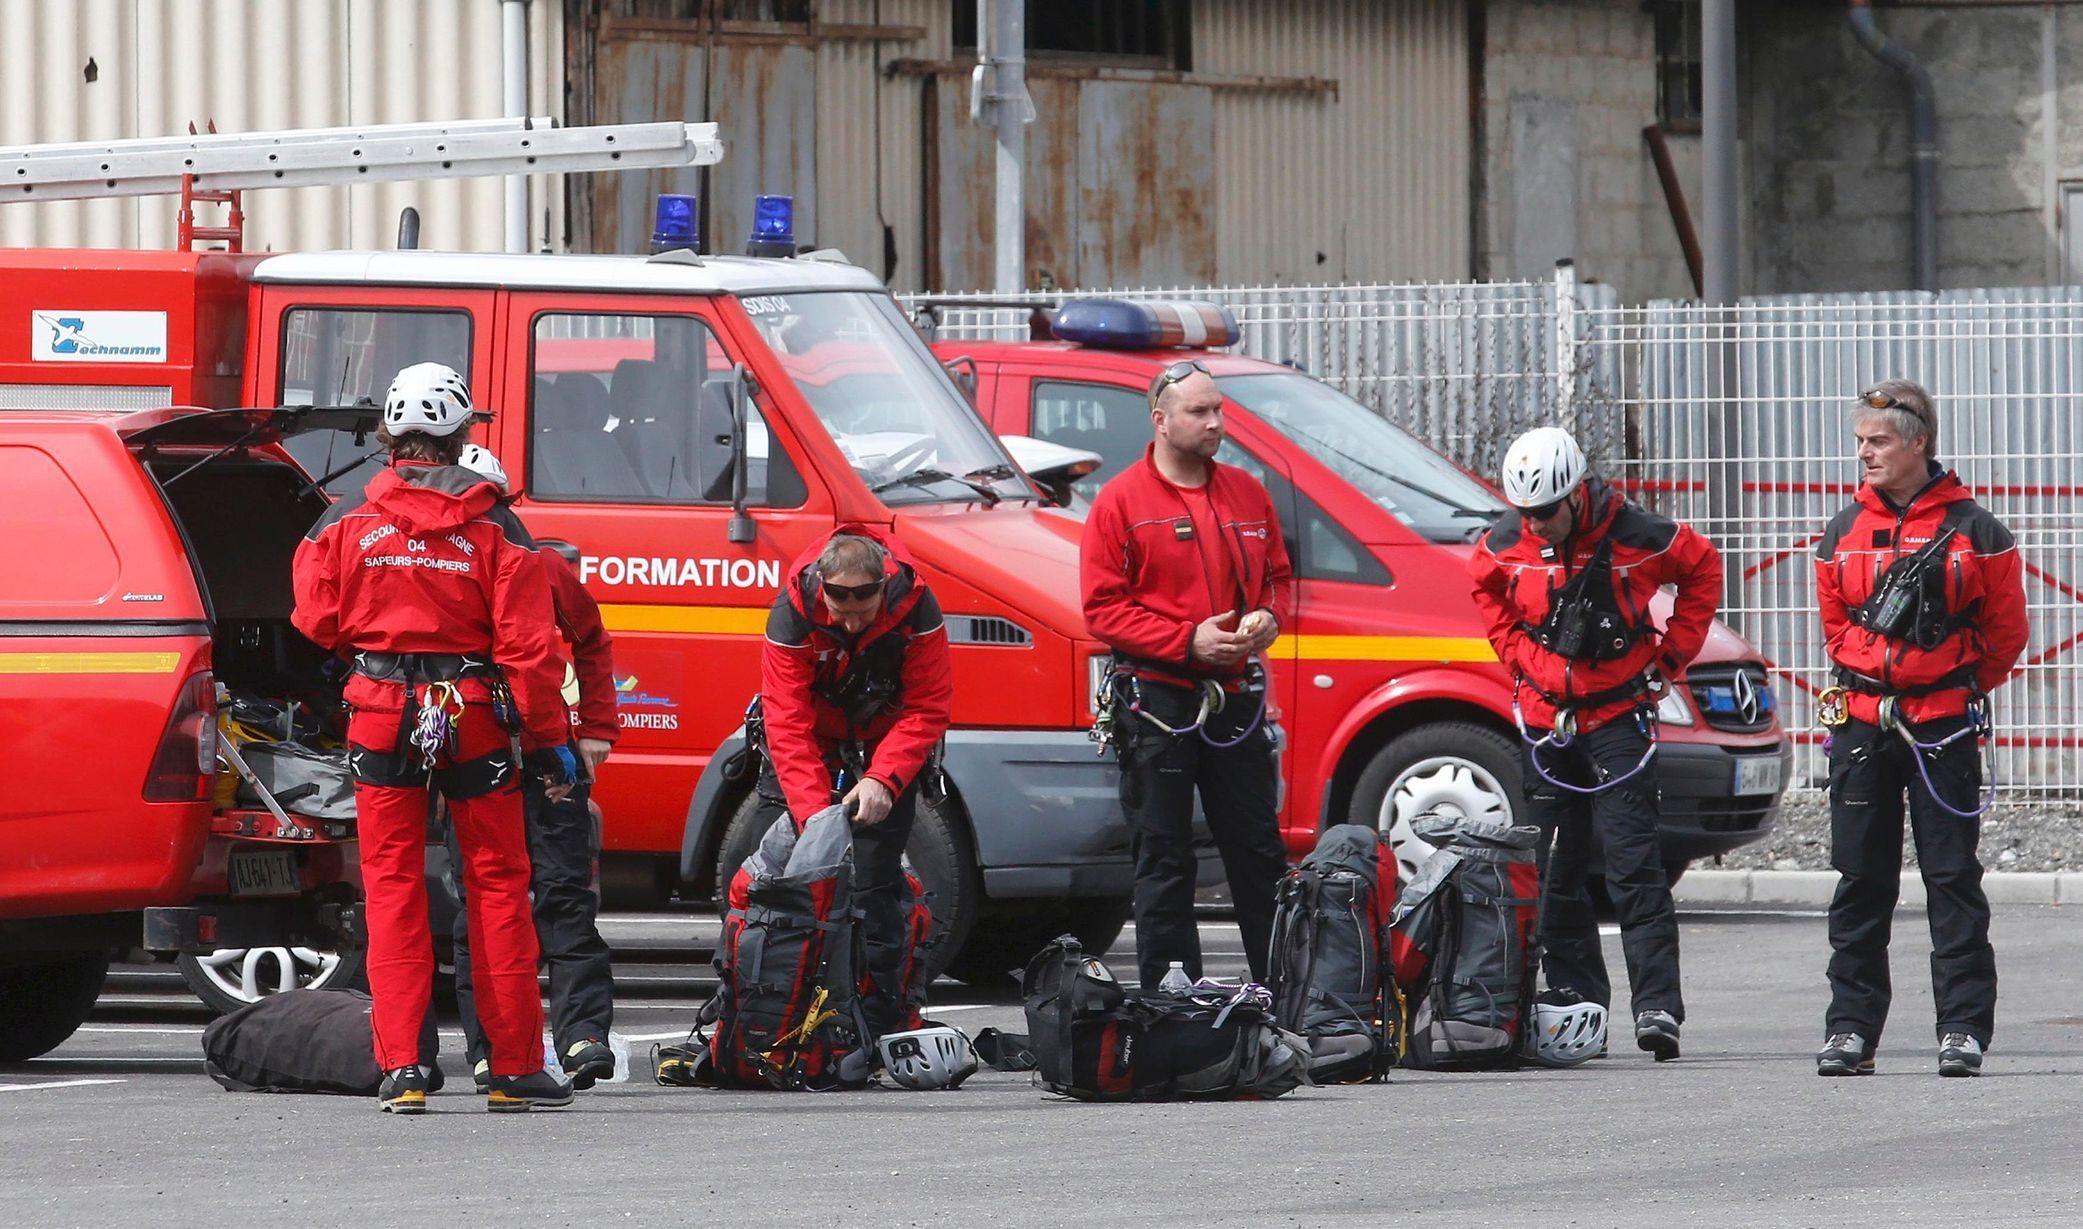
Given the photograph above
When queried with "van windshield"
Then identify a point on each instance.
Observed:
(900, 421)
(1419, 487)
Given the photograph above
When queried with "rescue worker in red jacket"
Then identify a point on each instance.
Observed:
(438, 595)
(1565, 589)
(563, 842)
(1185, 575)
(1923, 605)
(855, 691)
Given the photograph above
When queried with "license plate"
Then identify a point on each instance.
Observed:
(270, 872)
(1757, 774)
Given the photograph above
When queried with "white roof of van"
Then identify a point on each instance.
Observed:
(714, 275)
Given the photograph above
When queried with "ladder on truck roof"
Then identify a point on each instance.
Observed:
(221, 163)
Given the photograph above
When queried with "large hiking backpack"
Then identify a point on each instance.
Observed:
(1330, 943)
(787, 1010)
(1094, 1040)
(1468, 950)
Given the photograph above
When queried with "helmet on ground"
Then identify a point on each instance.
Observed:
(480, 460)
(1542, 466)
(937, 1056)
(1567, 1029)
(429, 398)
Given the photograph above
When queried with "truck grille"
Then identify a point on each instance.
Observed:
(1737, 698)
(987, 629)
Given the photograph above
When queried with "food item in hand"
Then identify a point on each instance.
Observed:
(1254, 622)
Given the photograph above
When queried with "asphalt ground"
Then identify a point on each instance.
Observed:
(120, 1127)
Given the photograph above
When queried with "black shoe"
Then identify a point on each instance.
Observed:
(1959, 1054)
(1657, 1032)
(1844, 1054)
(436, 1081)
(587, 1061)
(538, 1090)
(403, 1091)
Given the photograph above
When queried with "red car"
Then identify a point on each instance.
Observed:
(1391, 699)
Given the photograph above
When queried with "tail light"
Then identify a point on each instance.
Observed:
(186, 761)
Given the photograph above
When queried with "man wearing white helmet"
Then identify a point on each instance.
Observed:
(1565, 588)
(563, 841)
(437, 594)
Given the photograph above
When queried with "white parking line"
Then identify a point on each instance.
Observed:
(54, 1084)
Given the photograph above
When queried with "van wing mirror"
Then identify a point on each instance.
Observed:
(963, 371)
(566, 549)
(742, 389)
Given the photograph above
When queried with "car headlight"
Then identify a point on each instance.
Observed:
(1673, 709)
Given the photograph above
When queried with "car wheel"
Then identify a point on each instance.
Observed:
(232, 977)
(1011, 932)
(43, 1004)
(1453, 767)
(939, 854)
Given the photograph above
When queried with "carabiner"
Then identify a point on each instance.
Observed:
(1890, 716)
(1833, 706)
(1565, 726)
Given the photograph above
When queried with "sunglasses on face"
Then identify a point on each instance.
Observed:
(853, 593)
(1175, 373)
(1545, 512)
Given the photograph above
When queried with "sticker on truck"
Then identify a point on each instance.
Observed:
(59, 335)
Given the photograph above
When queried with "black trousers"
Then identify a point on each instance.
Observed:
(1625, 819)
(1870, 774)
(878, 892)
(562, 846)
(1239, 792)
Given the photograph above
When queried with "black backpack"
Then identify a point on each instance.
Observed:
(296, 1041)
(1094, 1040)
(1330, 944)
(1467, 947)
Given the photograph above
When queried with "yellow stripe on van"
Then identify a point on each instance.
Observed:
(713, 620)
(89, 663)
(1391, 648)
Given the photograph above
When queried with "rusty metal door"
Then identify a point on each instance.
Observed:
(1119, 185)
(763, 94)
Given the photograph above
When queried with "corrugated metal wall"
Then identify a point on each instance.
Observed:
(847, 179)
(1377, 179)
(262, 64)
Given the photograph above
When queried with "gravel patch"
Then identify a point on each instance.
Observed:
(2016, 836)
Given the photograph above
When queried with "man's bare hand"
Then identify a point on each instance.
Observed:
(872, 802)
(593, 752)
(1262, 628)
(1217, 647)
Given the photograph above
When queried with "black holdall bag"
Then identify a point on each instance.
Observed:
(1467, 949)
(1330, 946)
(1094, 1040)
(295, 1041)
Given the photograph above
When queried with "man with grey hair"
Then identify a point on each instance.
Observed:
(1923, 606)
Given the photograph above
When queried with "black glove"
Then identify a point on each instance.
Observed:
(554, 765)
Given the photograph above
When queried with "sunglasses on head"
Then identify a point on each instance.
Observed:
(1875, 399)
(1175, 373)
(853, 593)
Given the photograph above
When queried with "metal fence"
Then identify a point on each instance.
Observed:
(1736, 419)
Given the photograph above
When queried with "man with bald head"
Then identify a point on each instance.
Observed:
(1186, 578)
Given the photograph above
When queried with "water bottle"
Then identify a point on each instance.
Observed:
(1175, 980)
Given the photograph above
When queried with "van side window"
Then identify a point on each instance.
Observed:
(347, 356)
(1317, 546)
(1113, 422)
(636, 409)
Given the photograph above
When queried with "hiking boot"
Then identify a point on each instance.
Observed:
(1844, 1054)
(1657, 1032)
(1959, 1054)
(481, 1075)
(514, 1094)
(435, 1079)
(403, 1091)
(587, 1061)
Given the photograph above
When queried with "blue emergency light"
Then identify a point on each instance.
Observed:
(773, 226)
(1155, 324)
(676, 223)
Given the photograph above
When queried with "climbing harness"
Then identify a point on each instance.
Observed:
(434, 729)
(1922, 752)
(1121, 685)
(1564, 733)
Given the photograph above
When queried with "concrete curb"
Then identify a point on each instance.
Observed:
(1712, 887)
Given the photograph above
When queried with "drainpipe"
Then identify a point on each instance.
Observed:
(514, 62)
(1923, 141)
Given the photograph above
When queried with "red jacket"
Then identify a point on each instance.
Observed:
(1516, 575)
(592, 651)
(431, 562)
(1145, 586)
(809, 659)
(1984, 590)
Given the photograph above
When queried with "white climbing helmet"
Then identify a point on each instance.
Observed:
(1542, 466)
(1565, 1034)
(429, 398)
(480, 460)
(937, 1056)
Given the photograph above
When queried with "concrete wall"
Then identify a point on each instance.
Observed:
(1829, 145)
(1566, 89)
